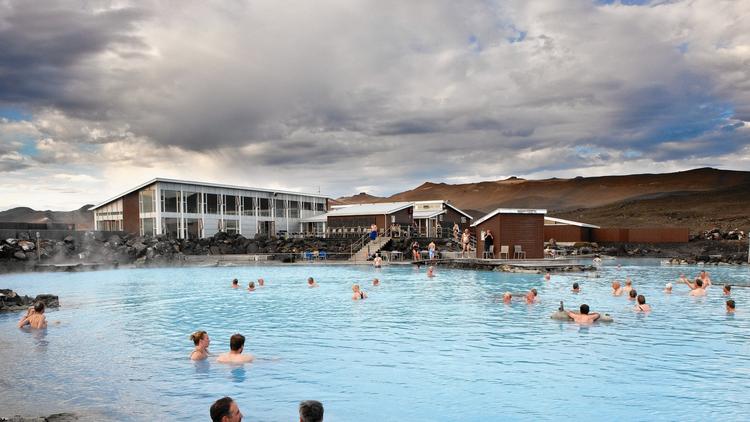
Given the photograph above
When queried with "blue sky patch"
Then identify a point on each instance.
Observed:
(14, 114)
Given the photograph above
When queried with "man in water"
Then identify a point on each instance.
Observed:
(236, 346)
(616, 289)
(698, 290)
(727, 290)
(628, 285)
(668, 288)
(251, 286)
(531, 296)
(311, 411)
(547, 276)
(376, 282)
(507, 297)
(377, 262)
(703, 276)
(311, 282)
(261, 282)
(730, 306)
(633, 294)
(584, 317)
(642, 306)
(225, 410)
(576, 288)
(235, 284)
(34, 317)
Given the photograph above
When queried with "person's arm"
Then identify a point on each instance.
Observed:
(596, 316)
(44, 322)
(23, 322)
(571, 314)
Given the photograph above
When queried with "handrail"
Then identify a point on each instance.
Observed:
(359, 242)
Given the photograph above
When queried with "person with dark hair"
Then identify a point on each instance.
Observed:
(727, 290)
(310, 411)
(34, 317)
(584, 317)
(251, 286)
(235, 284)
(236, 346)
(531, 296)
(201, 341)
(311, 282)
(698, 290)
(225, 410)
(730, 306)
(642, 306)
(633, 294)
(576, 288)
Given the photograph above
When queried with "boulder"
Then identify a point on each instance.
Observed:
(12, 301)
(69, 239)
(26, 245)
(115, 240)
(23, 236)
(20, 256)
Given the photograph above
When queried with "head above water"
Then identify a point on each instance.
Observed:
(534, 292)
(355, 288)
(235, 282)
(730, 304)
(615, 284)
(261, 282)
(225, 409)
(633, 294)
(198, 336)
(310, 411)
(584, 309)
(236, 342)
(628, 282)
(668, 286)
(251, 285)
(310, 281)
(39, 307)
(699, 283)
(575, 286)
(727, 288)
(641, 300)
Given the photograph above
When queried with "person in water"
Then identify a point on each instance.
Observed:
(704, 277)
(642, 306)
(311, 282)
(730, 306)
(507, 297)
(376, 282)
(584, 316)
(34, 317)
(727, 290)
(201, 341)
(358, 294)
(698, 290)
(633, 294)
(628, 285)
(377, 262)
(236, 347)
(311, 411)
(668, 288)
(576, 288)
(235, 284)
(430, 271)
(225, 410)
(251, 286)
(531, 296)
(616, 288)
(261, 282)
(547, 276)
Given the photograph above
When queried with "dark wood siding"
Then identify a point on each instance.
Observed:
(644, 235)
(351, 220)
(566, 233)
(404, 216)
(452, 216)
(526, 230)
(131, 220)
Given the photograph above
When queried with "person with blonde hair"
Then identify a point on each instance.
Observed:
(357, 293)
(616, 288)
(201, 341)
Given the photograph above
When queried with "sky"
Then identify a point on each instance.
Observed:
(347, 96)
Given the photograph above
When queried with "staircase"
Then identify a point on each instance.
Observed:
(370, 248)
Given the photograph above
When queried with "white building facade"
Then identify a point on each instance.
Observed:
(192, 210)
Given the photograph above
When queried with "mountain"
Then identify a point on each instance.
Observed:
(694, 198)
(82, 218)
(360, 198)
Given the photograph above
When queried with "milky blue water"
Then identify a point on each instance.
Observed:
(418, 349)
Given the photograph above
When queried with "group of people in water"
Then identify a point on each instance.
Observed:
(226, 410)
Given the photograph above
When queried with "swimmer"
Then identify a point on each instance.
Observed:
(507, 297)
(430, 271)
(377, 262)
(642, 306)
(34, 317)
(730, 306)
(668, 288)
(358, 294)
(597, 261)
(703, 276)
(576, 288)
(251, 286)
(633, 294)
(235, 284)
(628, 285)
(261, 282)
(311, 282)
(547, 276)
(698, 290)
(236, 347)
(531, 297)
(727, 290)
(225, 410)
(376, 282)
(683, 279)
(584, 317)
(616, 289)
(201, 340)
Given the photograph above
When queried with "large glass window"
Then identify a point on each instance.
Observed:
(248, 205)
(307, 206)
(212, 203)
(191, 202)
(293, 209)
(148, 226)
(193, 227)
(146, 201)
(320, 206)
(232, 226)
(231, 205)
(169, 200)
(169, 227)
(280, 207)
(264, 207)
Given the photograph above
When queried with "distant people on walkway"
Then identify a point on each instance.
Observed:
(34, 317)
(727, 290)
(311, 411)
(377, 262)
(698, 290)
(489, 241)
(576, 288)
(584, 316)
(430, 271)
(668, 288)
(456, 232)
(373, 231)
(642, 306)
(465, 243)
(201, 341)
(616, 288)
(236, 347)
(235, 284)
(251, 286)
(415, 251)
(730, 306)
(311, 282)
(632, 294)
(357, 293)
(431, 250)
(225, 410)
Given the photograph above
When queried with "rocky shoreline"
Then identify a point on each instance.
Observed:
(11, 301)
(57, 417)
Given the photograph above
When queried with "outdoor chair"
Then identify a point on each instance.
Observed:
(308, 256)
(323, 255)
(490, 253)
(518, 252)
(505, 249)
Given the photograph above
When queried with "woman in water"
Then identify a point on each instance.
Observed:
(251, 286)
(201, 340)
(357, 293)
(616, 288)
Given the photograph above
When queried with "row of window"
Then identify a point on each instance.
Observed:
(191, 228)
(212, 203)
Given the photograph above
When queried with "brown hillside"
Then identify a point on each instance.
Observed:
(82, 218)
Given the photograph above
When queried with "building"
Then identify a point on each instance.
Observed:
(357, 218)
(522, 228)
(436, 218)
(191, 210)
(567, 231)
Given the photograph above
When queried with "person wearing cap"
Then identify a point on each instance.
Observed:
(668, 288)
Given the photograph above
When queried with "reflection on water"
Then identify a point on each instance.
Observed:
(414, 343)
